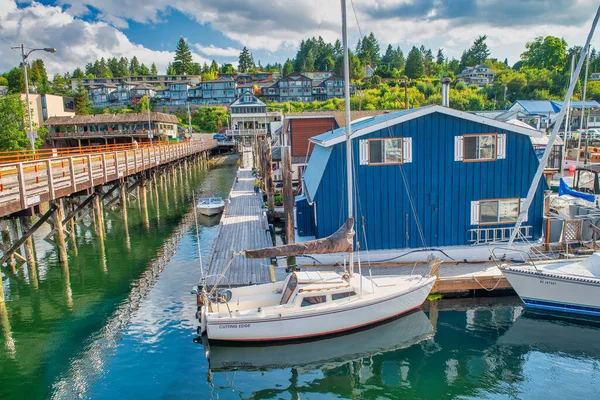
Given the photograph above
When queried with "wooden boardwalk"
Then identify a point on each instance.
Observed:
(242, 227)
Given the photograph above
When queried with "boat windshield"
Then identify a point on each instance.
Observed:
(216, 200)
(289, 289)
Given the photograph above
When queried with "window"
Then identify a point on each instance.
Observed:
(289, 289)
(479, 147)
(495, 211)
(313, 300)
(385, 151)
(344, 295)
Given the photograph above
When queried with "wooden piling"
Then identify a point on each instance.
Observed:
(6, 242)
(29, 251)
(58, 215)
(73, 230)
(98, 220)
(144, 203)
(288, 201)
(1, 290)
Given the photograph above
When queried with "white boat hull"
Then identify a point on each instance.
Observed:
(296, 326)
(555, 292)
(211, 210)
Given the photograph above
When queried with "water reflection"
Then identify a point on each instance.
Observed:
(326, 353)
(209, 221)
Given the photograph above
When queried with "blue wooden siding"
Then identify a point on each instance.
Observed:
(305, 220)
(442, 189)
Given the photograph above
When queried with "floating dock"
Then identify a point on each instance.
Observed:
(243, 226)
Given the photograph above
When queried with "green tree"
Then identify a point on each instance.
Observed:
(479, 50)
(246, 61)
(153, 69)
(288, 67)
(183, 58)
(59, 85)
(134, 67)
(549, 53)
(3, 81)
(123, 67)
(83, 106)
(368, 50)
(414, 68)
(78, 74)
(144, 70)
(440, 59)
(143, 105)
(16, 81)
(12, 114)
(38, 76)
(171, 69)
(227, 69)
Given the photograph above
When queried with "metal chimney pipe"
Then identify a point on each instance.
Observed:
(446, 91)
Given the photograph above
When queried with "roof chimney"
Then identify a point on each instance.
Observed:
(446, 91)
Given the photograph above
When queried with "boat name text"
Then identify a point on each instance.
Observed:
(234, 326)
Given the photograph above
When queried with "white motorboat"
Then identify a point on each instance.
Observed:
(317, 303)
(397, 334)
(571, 286)
(211, 206)
(568, 285)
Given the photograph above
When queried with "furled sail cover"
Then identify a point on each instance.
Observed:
(340, 241)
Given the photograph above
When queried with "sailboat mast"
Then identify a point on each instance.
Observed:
(567, 123)
(557, 124)
(348, 123)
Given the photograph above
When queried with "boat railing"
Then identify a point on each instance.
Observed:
(495, 234)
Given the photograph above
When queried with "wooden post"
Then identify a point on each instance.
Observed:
(288, 202)
(58, 215)
(29, 251)
(72, 231)
(269, 174)
(157, 203)
(6, 241)
(144, 203)
(98, 224)
(1, 291)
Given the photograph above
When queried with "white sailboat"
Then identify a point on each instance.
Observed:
(311, 304)
(571, 286)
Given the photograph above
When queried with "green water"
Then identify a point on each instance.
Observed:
(119, 323)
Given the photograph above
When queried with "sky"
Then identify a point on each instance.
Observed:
(85, 30)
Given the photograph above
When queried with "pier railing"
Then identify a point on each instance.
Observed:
(29, 183)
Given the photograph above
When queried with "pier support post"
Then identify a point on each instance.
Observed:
(144, 203)
(288, 202)
(59, 232)
(98, 219)
(1, 291)
(29, 251)
(6, 242)
(72, 230)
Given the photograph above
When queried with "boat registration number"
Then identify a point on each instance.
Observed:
(234, 326)
(545, 282)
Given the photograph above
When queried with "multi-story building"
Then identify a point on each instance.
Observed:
(44, 106)
(174, 96)
(295, 87)
(160, 81)
(479, 75)
(220, 91)
(250, 117)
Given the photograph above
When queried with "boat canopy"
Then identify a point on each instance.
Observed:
(338, 242)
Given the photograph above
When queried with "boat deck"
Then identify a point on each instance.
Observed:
(242, 227)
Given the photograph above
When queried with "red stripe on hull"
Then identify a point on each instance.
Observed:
(317, 334)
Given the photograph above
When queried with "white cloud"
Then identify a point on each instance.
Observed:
(77, 42)
(212, 50)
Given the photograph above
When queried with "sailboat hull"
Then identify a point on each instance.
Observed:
(555, 292)
(296, 326)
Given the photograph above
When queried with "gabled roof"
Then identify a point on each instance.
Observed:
(110, 119)
(578, 104)
(376, 123)
(538, 106)
(339, 116)
(256, 101)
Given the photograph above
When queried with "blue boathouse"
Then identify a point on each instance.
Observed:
(430, 176)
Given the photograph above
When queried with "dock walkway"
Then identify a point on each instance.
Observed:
(242, 227)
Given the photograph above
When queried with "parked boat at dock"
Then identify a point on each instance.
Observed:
(211, 206)
(571, 286)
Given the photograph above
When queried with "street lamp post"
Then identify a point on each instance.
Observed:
(30, 134)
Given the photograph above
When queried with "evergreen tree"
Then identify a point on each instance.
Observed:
(171, 70)
(506, 62)
(197, 69)
(123, 67)
(246, 61)
(59, 85)
(89, 69)
(113, 65)
(479, 51)
(337, 48)
(102, 69)
(357, 71)
(78, 74)
(368, 50)
(227, 69)
(12, 118)
(144, 70)
(288, 67)
(83, 106)
(414, 68)
(440, 57)
(214, 67)
(134, 67)
(183, 58)
(153, 69)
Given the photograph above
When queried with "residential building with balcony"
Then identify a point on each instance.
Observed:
(295, 87)
(161, 81)
(250, 117)
(479, 75)
(174, 96)
(220, 91)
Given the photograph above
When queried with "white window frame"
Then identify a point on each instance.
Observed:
(459, 147)
(476, 211)
(406, 148)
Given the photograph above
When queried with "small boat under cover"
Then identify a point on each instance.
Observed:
(211, 206)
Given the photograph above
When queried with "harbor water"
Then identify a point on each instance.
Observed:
(119, 323)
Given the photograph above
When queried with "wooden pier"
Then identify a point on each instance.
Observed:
(243, 226)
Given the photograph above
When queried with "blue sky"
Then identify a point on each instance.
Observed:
(84, 30)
